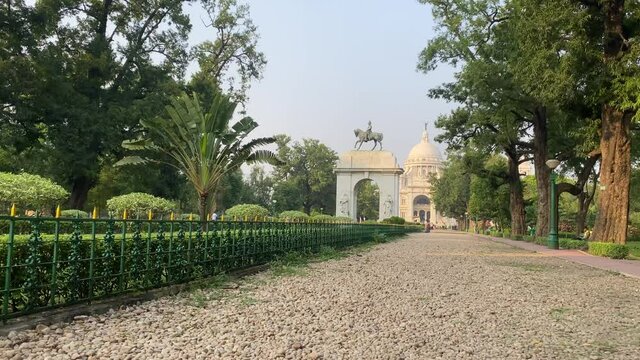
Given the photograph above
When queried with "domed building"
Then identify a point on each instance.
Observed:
(415, 185)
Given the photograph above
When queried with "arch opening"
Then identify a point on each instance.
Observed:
(367, 200)
(421, 209)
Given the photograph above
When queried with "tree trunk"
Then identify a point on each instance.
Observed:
(584, 201)
(516, 199)
(615, 143)
(79, 191)
(203, 207)
(540, 153)
(615, 177)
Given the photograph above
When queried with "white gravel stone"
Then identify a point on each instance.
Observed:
(435, 296)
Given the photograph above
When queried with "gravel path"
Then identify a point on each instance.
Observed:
(425, 297)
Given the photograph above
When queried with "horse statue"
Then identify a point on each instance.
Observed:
(364, 136)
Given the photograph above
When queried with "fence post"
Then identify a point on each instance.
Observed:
(54, 263)
(7, 272)
(122, 241)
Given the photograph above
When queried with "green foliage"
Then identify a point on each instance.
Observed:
(189, 217)
(246, 211)
(396, 220)
(26, 190)
(73, 213)
(159, 179)
(368, 200)
(573, 244)
(634, 249)
(611, 250)
(305, 179)
(138, 204)
(201, 144)
(343, 219)
(322, 218)
(293, 215)
(450, 191)
(63, 84)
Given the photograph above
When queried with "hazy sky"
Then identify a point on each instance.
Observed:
(333, 65)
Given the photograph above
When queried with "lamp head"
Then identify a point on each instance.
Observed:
(553, 163)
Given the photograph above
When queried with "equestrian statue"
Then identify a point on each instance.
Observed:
(366, 136)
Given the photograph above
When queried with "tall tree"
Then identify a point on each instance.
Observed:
(450, 191)
(231, 60)
(202, 145)
(305, 180)
(80, 74)
(617, 31)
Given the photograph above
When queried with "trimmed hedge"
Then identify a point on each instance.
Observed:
(610, 250)
(397, 220)
(293, 215)
(73, 213)
(573, 244)
(248, 211)
(322, 218)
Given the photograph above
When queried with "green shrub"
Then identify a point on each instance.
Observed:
(194, 217)
(573, 244)
(26, 190)
(498, 234)
(246, 211)
(73, 213)
(322, 218)
(293, 215)
(138, 204)
(343, 219)
(396, 220)
(541, 241)
(506, 233)
(611, 250)
(567, 235)
(518, 237)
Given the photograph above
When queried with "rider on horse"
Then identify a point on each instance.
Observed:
(369, 131)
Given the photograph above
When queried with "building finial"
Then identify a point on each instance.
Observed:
(425, 133)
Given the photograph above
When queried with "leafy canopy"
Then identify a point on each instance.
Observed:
(27, 190)
(139, 204)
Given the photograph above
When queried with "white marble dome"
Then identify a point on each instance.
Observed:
(424, 152)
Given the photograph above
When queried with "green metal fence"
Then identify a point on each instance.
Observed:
(50, 262)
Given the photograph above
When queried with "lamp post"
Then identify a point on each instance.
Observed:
(553, 220)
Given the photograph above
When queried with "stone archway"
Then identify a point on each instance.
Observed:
(380, 167)
(421, 208)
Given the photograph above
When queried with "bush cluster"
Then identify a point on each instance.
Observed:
(138, 204)
(573, 244)
(293, 215)
(246, 211)
(611, 250)
(74, 213)
(322, 218)
(396, 220)
(26, 190)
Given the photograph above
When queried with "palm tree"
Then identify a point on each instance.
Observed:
(202, 146)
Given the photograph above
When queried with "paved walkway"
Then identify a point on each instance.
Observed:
(625, 267)
(429, 296)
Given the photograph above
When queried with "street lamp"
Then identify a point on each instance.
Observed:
(553, 221)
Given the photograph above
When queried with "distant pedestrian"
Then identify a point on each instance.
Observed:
(427, 227)
(214, 217)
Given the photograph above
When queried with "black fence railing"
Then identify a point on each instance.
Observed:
(50, 262)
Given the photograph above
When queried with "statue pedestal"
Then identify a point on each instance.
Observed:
(379, 166)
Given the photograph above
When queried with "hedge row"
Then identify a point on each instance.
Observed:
(611, 250)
